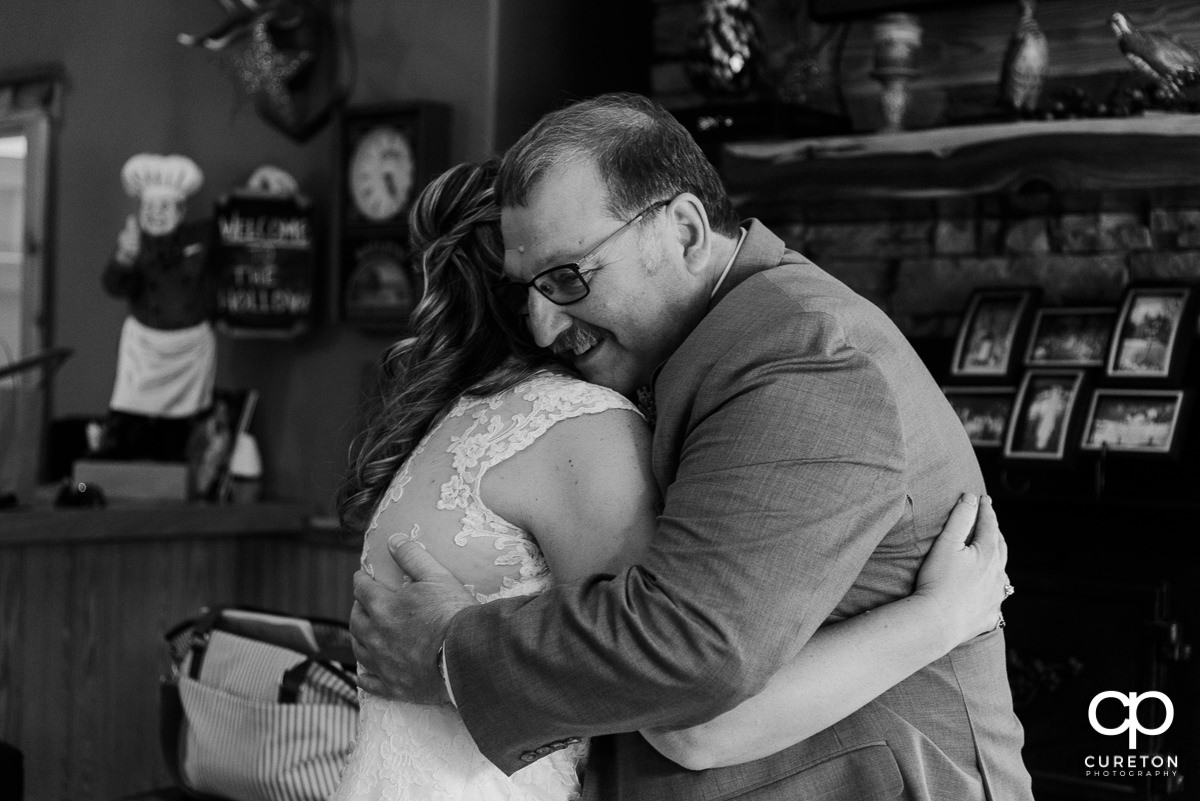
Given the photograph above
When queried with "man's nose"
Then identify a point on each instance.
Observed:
(546, 320)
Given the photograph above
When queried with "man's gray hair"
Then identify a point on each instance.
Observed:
(642, 152)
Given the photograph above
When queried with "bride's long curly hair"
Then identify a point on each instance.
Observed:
(464, 341)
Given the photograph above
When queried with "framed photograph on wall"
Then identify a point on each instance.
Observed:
(1042, 420)
(1070, 337)
(1153, 331)
(1135, 421)
(984, 412)
(992, 333)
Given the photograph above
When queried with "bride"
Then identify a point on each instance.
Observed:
(515, 474)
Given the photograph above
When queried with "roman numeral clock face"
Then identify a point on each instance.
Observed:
(381, 173)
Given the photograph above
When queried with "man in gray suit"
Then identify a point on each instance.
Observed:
(806, 458)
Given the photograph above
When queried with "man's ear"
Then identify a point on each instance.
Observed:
(692, 230)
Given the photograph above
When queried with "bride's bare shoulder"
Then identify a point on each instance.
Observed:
(584, 488)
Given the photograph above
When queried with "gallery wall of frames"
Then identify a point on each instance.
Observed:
(1045, 385)
(1083, 418)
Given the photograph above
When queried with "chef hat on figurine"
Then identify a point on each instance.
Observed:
(149, 175)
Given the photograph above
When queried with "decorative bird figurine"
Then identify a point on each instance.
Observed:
(1171, 63)
(1025, 63)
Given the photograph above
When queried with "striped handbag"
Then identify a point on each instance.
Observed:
(259, 706)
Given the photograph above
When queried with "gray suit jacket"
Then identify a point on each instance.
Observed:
(807, 460)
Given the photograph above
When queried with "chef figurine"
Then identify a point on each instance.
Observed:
(166, 362)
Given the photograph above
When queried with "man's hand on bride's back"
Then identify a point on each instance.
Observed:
(963, 574)
(397, 632)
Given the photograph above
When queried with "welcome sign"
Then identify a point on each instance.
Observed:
(265, 265)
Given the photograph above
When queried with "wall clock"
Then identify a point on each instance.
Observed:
(387, 154)
(380, 173)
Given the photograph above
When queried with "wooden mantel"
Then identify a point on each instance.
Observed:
(1145, 152)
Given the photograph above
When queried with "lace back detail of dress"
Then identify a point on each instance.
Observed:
(413, 753)
(479, 433)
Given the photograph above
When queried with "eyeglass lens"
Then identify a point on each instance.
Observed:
(561, 285)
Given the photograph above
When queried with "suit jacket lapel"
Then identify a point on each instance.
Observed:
(761, 250)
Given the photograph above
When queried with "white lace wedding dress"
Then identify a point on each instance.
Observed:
(407, 752)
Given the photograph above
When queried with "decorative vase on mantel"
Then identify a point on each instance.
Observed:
(725, 53)
(897, 38)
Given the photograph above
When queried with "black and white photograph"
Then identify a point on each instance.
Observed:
(1133, 421)
(1045, 405)
(984, 412)
(644, 400)
(1149, 328)
(1070, 337)
(988, 337)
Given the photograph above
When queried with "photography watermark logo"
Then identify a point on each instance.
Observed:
(1133, 723)
(1132, 764)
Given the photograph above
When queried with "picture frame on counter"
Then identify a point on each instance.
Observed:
(1154, 329)
(382, 285)
(1044, 415)
(1136, 421)
(1070, 336)
(991, 337)
(984, 412)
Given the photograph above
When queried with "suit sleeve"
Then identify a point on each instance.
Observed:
(790, 473)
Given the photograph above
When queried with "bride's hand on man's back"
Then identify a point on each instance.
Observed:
(964, 573)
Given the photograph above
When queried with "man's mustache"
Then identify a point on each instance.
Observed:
(575, 339)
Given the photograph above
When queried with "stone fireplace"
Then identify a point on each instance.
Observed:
(1101, 548)
(917, 221)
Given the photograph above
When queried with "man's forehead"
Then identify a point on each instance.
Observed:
(546, 233)
(517, 240)
(530, 249)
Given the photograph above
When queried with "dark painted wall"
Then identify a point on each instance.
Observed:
(132, 88)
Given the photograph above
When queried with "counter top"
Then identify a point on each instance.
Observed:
(145, 521)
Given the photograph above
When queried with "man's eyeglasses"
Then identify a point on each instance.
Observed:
(564, 284)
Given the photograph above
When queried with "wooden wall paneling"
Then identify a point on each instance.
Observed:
(145, 607)
(36, 660)
(279, 577)
(116, 625)
(130, 663)
(87, 689)
(10, 644)
(266, 576)
(53, 696)
(82, 650)
(329, 578)
(315, 580)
